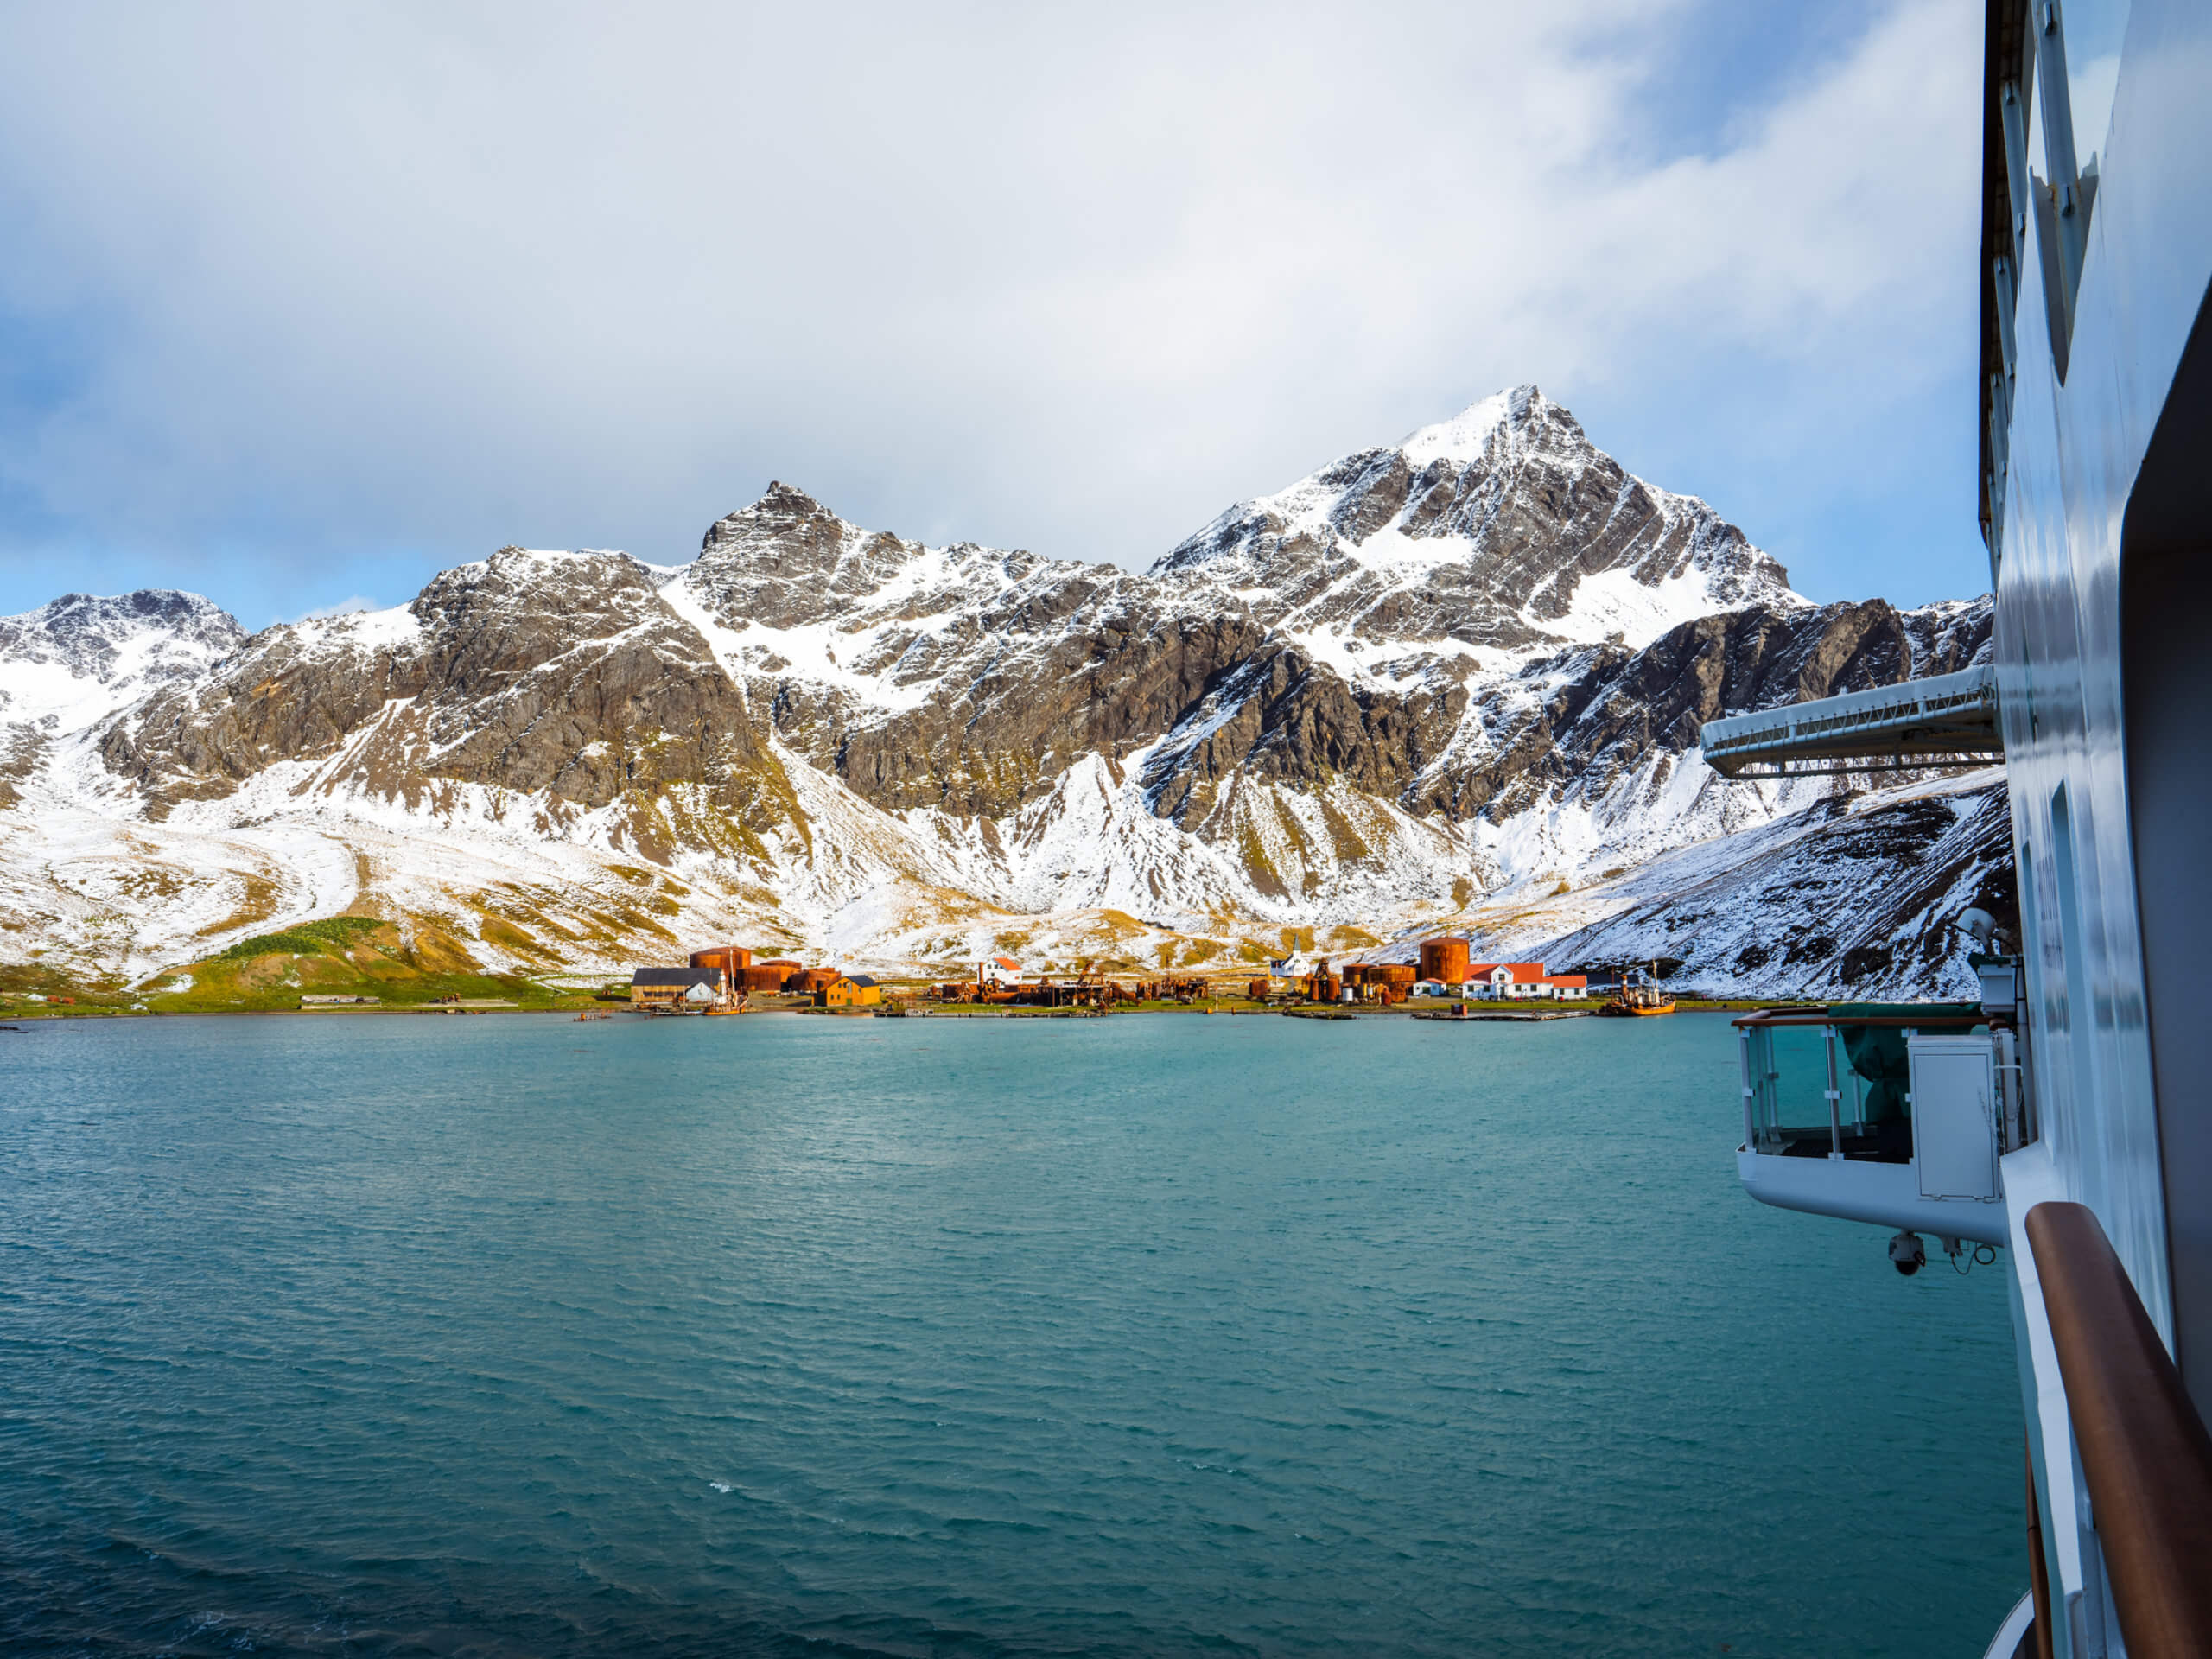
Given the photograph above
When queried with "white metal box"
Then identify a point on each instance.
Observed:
(1955, 1115)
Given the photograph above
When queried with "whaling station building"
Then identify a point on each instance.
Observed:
(718, 980)
(679, 990)
(1445, 971)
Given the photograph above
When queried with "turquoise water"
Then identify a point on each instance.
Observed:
(1154, 1335)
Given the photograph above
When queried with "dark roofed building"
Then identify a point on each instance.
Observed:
(675, 988)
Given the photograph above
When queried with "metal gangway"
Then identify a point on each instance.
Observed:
(1945, 719)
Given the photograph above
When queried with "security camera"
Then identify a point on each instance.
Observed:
(1907, 1254)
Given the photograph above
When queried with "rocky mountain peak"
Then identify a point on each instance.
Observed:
(100, 635)
(788, 561)
(66, 664)
(1503, 526)
(1467, 435)
(524, 597)
(782, 511)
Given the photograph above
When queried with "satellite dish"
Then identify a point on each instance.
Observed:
(1981, 925)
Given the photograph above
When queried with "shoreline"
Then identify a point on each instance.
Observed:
(1434, 1014)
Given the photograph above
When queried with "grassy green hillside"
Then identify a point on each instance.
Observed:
(342, 956)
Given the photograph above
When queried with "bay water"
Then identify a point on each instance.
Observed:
(777, 1335)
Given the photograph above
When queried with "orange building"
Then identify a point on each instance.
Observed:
(731, 959)
(849, 991)
(1445, 960)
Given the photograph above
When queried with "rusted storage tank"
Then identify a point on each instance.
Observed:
(1445, 960)
(1400, 975)
(789, 964)
(1327, 987)
(731, 959)
(810, 979)
(1257, 990)
(762, 977)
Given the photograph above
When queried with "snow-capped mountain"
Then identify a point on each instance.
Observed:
(71, 662)
(1503, 527)
(81, 653)
(1442, 681)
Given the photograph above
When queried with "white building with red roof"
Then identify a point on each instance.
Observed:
(1517, 982)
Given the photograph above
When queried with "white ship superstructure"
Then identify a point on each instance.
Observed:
(2061, 1124)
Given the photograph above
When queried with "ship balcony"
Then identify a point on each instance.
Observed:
(1891, 1114)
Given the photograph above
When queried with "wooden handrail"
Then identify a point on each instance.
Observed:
(1823, 1017)
(2038, 1572)
(2144, 1449)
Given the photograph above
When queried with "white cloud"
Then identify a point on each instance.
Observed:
(435, 278)
(343, 608)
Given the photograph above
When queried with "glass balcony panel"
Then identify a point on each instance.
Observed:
(1797, 1087)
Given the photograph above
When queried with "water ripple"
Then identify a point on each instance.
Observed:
(784, 1337)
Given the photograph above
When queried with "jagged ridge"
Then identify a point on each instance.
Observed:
(1471, 663)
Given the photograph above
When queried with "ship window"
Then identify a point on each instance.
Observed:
(2073, 952)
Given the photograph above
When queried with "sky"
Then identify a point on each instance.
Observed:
(302, 304)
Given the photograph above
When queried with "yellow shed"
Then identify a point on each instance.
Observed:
(849, 991)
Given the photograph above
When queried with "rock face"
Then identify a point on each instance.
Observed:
(564, 674)
(154, 634)
(77, 657)
(1456, 666)
(1504, 526)
(962, 678)
(1622, 707)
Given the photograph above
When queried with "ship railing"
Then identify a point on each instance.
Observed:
(1798, 1084)
(2144, 1452)
(1800, 1093)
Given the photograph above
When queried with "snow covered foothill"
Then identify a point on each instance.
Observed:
(1857, 896)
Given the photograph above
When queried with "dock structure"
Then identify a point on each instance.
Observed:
(1463, 1015)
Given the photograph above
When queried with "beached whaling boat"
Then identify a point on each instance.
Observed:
(1639, 994)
